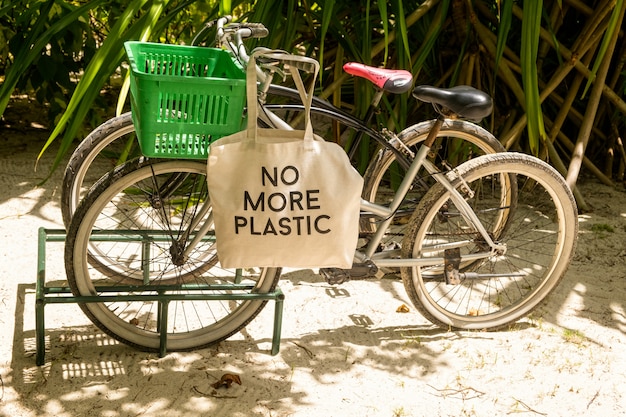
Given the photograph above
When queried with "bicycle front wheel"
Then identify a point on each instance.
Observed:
(141, 219)
(537, 237)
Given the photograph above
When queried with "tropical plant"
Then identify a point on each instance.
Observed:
(554, 67)
(46, 44)
(53, 41)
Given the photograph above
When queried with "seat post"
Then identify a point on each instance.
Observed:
(432, 135)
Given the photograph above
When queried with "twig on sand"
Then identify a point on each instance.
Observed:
(593, 399)
(527, 407)
(307, 350)
(212, 394)
(463, 391)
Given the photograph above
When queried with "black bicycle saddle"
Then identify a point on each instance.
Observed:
(463, 100)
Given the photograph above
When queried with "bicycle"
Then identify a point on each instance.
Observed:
(486, 244)
(114, 141)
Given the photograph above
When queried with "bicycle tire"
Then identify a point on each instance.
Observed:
(124, 200)
(540, 237)
(100, 152)
(384, 173)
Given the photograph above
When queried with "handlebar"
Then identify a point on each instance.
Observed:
(257, 30)
(226, 30)
(245, 30)
(231, 35)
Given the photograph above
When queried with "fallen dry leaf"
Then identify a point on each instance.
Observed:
(227, 380)
(403, 309)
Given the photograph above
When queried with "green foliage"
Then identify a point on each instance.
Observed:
(531, 24)
(613, 26)
(522, 52)
(48, 43)
(103, 63)
(53, 43)
(505, 18)
(602, 227)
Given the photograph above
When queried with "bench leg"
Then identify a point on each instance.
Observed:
(278, 321)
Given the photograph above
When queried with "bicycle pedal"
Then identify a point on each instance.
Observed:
(335, 276)
(360, 271)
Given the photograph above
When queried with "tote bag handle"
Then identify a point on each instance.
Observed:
(294, 63)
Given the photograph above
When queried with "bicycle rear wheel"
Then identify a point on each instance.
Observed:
(457, 142)
(539, 233)
(109, 145)
(139, 220)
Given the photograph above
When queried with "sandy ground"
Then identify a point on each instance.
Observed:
(345, 351)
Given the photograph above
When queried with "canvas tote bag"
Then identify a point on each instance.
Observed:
(283, 198)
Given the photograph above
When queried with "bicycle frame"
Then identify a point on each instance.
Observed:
(387, 214)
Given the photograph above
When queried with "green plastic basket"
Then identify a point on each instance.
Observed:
(183, 98)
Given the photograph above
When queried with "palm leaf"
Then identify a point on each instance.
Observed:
(153, 16)
(35, 42)
(327, 16)
(100, 67)
(225, 7)
(431, 37)
(506, 17)
(382, 9)
(531, 25)
(401, 28)
(606, 40)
